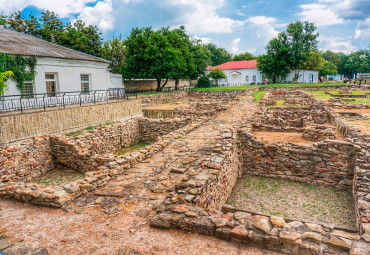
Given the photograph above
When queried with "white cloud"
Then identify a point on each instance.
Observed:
(235, 46)
(204, 40)
(99, 15)
(63, 8)
(238, 12)
(265, 26)
(320, 14)
(201, 17)
(362, 30)
(336, 44)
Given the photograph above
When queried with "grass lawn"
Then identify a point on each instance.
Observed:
(294, 200)
(258, 95)
(321, 94)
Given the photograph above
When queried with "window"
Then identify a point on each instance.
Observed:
(254, 78)
(51, 84)
(247, 78)
(28, 89)
(85, 83)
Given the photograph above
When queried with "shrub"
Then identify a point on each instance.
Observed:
(204, 82)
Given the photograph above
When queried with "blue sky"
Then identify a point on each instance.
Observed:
(237, 25)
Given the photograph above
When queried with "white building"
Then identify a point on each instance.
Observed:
(58, 69)
(246, 72)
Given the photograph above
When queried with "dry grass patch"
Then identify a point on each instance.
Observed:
(294, 200)
(59, 177)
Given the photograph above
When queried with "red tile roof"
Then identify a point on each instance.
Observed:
(246, 64)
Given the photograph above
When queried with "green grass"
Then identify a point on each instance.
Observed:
(59, 177)
(359, 101)
(355, 92)
(132, 147)
(321, 94)
(258, 95)
(79, 132)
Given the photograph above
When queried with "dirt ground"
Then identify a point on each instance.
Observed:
(362, 124)
(294, 200)
(283, 137)
(116, 216)
(164, 106)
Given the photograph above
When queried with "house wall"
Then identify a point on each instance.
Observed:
(305, 76)
(244, 72)
(68, 75)
(115, 81)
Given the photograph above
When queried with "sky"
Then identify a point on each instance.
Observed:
(236, 25)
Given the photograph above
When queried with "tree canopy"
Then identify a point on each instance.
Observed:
(317, 62)
(218, 55)
(114, 50)
(217, 74)
(244, 56)
(289, 50)
(49, 27)
(163, 55)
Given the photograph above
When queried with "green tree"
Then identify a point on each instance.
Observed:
(302, 39)
(244, 56)
(289, 50)
(218, 55)
(358, 62)
(332, 57)
(317, 62)
(149, 54)
(275, 64)
(3, 77)
(217, 74)
(114, 50)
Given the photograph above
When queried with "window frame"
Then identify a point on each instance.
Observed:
(84, 82)
(31, 94)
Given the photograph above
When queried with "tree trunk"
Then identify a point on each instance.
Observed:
(177, 82)
(158, 85)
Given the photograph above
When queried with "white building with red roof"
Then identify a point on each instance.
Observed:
(241, 73)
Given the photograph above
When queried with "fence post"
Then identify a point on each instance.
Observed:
(64, 105)
(95, 97)
(20, 101)
(44, 102)
(80, 98)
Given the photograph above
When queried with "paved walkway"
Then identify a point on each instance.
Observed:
(116, 217)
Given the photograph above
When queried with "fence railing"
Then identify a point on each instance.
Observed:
(165, 90)
(63, 99)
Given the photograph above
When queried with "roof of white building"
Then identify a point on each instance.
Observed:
(15, 43)
(246, 64)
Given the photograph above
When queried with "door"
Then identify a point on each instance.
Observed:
(51, 84)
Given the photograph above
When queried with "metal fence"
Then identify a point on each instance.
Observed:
(165, 90)
(47, 100)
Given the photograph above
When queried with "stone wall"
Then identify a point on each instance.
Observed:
(307, 87)
(288, 118)
(19, 126)
(163, 97)
(150, 129)
(319, 133)
(26, 161)
(295, 97)
(327, 163)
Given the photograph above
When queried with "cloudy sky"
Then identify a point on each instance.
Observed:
(237, 25)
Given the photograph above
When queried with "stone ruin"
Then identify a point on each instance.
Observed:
(196, 203)
(297, 98)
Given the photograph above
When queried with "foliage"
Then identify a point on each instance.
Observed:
(163, 54)
(218, 55)
(244, 56)
(217, 74)
(149, 54)
(318, 63)
(289, 50)
(358, 62)
(50, 27)
(114, 51)
(204, 82)
(276, 62)
(3, 77)
(18, 65)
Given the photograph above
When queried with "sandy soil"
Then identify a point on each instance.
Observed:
(353, 110)
(294, 200)
(362, 124)
(283, 137)
(164, 106)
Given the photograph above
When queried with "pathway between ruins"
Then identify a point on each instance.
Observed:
(115, 218)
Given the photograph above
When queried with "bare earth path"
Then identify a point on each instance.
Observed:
(115, 218)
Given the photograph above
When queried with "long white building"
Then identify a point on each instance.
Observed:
(246, 72)
(58, 69)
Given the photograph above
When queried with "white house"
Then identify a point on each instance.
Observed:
(246, 72)
(58, 69)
